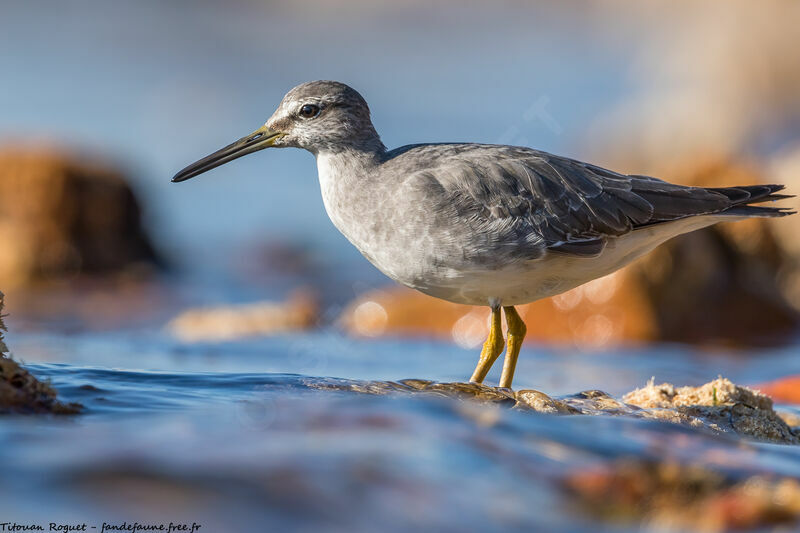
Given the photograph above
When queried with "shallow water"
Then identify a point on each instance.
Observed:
(238, 436)
(233, 434)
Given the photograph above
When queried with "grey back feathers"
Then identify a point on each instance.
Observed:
(526, 200)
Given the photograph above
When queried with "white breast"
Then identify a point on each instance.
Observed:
(330, 170)
(553, 274)
(342, 183)
(325, 170)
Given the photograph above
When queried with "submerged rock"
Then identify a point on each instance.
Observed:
(21, 392)
(542, 403)
(719, 406)
(680, 497)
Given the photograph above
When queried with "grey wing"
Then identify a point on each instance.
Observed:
(525, 202)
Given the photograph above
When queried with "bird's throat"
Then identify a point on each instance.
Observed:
(348, 179)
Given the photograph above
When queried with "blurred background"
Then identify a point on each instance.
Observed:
(98, 96)
(105, 264)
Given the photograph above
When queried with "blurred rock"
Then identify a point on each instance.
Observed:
(21, 392)
(723, 285)
(63, 214)
(792, 420)
(299, 312)
(668, 496)
(593, 315)
(93, 304)
(783, 390)
(785, 168)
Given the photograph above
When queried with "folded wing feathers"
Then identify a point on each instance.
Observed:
(573, 207)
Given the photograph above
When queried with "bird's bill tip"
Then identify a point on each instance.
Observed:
(258, 140)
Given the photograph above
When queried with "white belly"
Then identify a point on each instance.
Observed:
(555, 273)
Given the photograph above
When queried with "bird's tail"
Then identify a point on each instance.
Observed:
(742, 200)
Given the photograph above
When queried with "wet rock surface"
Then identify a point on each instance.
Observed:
(20, 391)
(719, 406)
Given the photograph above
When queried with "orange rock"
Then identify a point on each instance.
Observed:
(784, 390)
(63, 214)
(722, 284)
(785, 168)
(596, 314)
(405, 312)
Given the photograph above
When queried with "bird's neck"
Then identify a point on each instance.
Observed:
(349, 178)
(348, 165)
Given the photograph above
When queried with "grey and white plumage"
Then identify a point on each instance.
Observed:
(482, 224)
(456, 220)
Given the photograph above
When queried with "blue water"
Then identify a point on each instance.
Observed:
(237, 436)
(234, 434)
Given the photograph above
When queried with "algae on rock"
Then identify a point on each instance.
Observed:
(20, 391)
(722, 404)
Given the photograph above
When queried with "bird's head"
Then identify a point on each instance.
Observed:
(319, 116)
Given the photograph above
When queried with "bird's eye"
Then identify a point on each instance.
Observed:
(309, 111)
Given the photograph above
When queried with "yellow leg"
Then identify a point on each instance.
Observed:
(516, 334)
(492, 348)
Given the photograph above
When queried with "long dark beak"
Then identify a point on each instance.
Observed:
(258, 140)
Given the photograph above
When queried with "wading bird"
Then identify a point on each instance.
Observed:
(482, 224)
